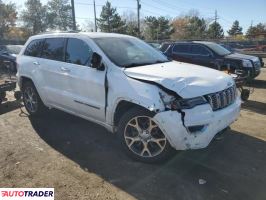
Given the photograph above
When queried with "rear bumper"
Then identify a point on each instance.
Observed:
(181, 138)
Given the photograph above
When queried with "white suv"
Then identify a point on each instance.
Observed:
(125, 85)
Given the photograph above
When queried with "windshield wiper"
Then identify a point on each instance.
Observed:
(147, 63)
(162, 61)
(135, 64)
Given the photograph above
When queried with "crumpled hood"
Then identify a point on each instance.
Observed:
(185, 79)
(240, 56)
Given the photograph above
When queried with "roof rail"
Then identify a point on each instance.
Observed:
(51, 32)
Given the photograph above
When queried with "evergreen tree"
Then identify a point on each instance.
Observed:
(235, 29)
(215, 31)
(256, 31)
(8, 16)
(195, 28)
(110, 20)
(165, 29)
(59, 15)
(157, 28)
(34, 16)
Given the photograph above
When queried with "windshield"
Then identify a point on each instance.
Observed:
(129, 52)
(218, 49)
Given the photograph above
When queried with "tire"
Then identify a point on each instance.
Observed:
(13, 67)
(32, 100)
(2, 95)
(245, 94)
(142, 139)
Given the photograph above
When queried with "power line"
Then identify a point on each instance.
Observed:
(100, 5)
(174, 7)
(157, 7)
(118, 7)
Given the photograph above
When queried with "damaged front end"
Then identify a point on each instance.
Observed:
(198, 102)
(192, 123)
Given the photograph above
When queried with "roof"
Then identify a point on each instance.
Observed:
(193, 42)
(203, 42)
(71, 33)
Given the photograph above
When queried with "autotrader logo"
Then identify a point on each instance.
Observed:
(26, 193)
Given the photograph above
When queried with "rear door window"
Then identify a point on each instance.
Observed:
(34, 48)
(78, 52)
(199, 50)
(181, 48)
(53, 49)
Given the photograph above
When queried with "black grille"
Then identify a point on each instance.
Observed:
(222, 99)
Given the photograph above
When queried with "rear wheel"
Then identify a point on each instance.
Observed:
(142, 138)
(31, 99)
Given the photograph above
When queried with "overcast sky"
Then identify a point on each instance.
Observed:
(245, 11)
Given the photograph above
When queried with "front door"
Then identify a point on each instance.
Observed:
(86, 84)
(201, 55)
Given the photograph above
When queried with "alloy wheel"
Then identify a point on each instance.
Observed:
(143, 137)
(30, 99)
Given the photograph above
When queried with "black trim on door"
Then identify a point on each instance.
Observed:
(87, 104)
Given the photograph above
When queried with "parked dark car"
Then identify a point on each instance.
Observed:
(164, 46)
(233, 50)
(213, 55)
(155, 45)
(8, 54)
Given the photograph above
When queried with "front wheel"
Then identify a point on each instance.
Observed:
(142, 138)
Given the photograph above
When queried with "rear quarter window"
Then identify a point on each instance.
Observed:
(34, 48)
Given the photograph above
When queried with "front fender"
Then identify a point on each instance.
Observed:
(133, 91)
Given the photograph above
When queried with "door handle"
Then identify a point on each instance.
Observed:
(64, 69)
(36, 63)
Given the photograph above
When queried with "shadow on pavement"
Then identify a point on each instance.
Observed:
(233, 166)
(9, 106)
(255, 106)
(258, 84)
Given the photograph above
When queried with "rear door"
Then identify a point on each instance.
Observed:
(31, 60)
(55, 74)
(85, 84)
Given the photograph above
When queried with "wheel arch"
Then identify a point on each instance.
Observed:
(124, 105)
(23, 79)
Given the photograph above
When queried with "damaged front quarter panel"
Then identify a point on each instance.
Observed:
(178, 134)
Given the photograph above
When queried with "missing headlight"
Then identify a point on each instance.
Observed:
(188, 103)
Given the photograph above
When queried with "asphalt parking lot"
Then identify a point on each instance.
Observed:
(81, 160)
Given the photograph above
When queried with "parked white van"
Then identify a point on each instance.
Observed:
(125, 85)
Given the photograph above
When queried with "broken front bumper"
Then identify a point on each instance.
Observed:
(201, 124)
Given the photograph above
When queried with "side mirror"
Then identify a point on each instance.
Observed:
(96, 61)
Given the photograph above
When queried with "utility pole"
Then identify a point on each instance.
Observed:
(138, 8)
(215, 22)
(95, 23)
(73, 15)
